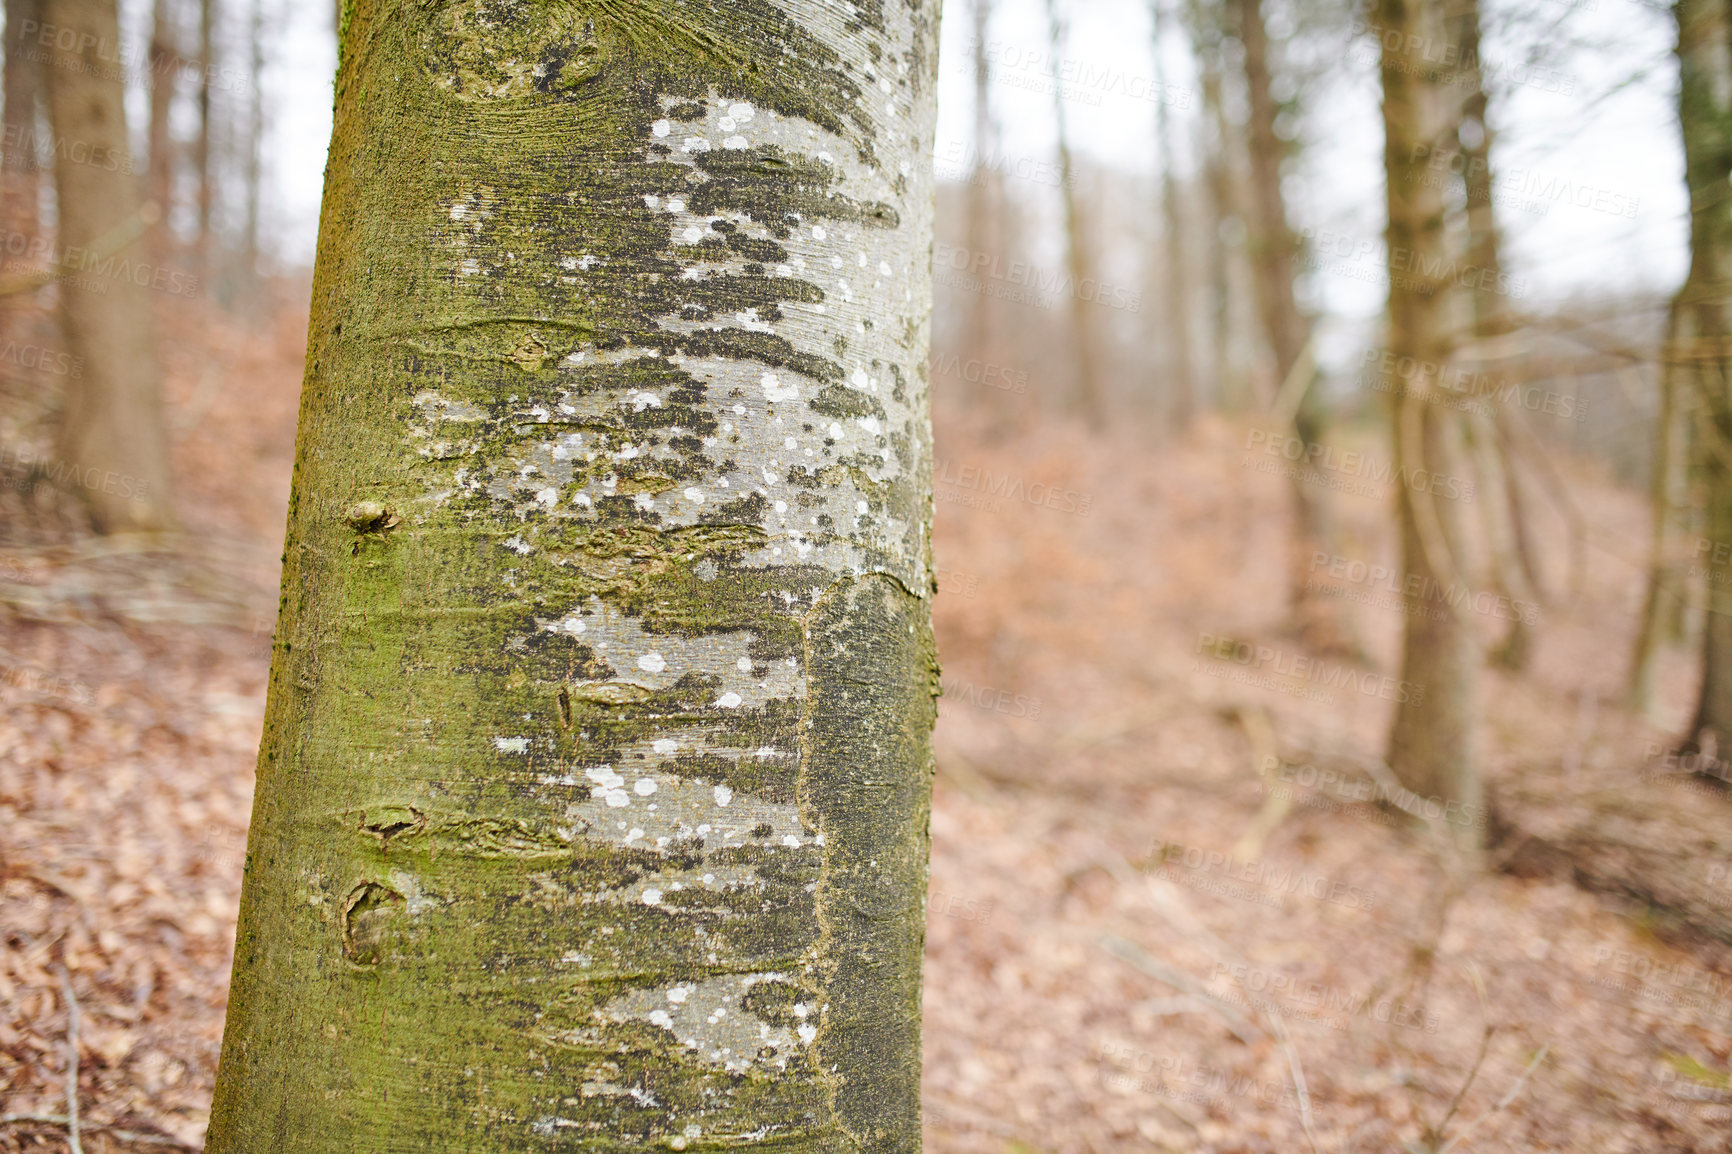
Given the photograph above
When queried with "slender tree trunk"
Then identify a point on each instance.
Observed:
(1205, 21)
(982, 183)
(593, 794)
(164, 70)
(1473, 141)
(1182, 391)
(1432, 746)
(1668, 495)
(1089, 399)
(23, 84)
(1701, 356)
(254, 146)
(112, 448)
(1317, 618)
(202, 145)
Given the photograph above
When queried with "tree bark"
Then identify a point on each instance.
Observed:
(23, 85)
(254, 147)
(1182, 392)
(164, 69)
(1668, 502)
(982, 183)
(1090, 401)
(1432, 746)
(112, 448)
(593, 795)
(1317, 618)
(1701, 357)
(202, 144)
(1473, 141)
(1205, 21)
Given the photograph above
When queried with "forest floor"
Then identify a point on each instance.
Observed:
(1101, 975)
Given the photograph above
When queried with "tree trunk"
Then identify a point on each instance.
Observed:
(593, 794)
(1473, 140)
(1089, 399)
(23, 84)
(1702, 357)
(1668, 500)
(164, 69)
(112, 448)
(1205, 21)
(254, 148)
(1432, 742)
(982, 184)
(202, 145)
(1317, 618)
(1182, 391)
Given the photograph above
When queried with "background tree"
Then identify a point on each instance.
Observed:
(23, 84)
(165, 61)
(112, 447)
(598, 742)
(1317, 618)
(1084, 340)
(1432, 747)
(1181, 390)
(1698, 351)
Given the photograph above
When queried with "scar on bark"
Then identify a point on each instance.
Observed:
(368, 913)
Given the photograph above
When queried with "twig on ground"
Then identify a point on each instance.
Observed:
(137, 1136)
(73, 1138)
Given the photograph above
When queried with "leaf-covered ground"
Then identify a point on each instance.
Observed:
(1103, 974)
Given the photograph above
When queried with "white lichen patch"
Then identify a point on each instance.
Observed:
(654, 662)
(675, 813)
(710, 1019)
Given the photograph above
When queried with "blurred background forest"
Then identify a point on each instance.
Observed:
(1334, 524)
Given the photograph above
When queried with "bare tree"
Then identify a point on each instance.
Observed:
(23, 85)
(1698, 352)
(164, 70)
(112, 446)
(1089, 397)
(1181, 391)
(1432, 743)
